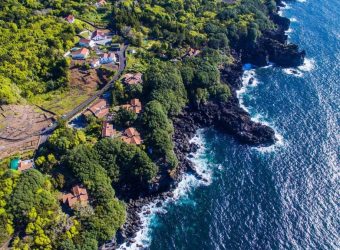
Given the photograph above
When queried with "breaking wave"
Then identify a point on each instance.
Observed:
(181, 194)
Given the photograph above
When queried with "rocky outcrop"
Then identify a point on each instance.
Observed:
(226, 117)
(272, 46)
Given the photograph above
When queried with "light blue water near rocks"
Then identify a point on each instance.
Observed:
(284, 197)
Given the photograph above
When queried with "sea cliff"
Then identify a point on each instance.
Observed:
(226, 117)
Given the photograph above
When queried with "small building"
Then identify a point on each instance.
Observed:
(132, 51)
(83, 42)
(98, 35)
(99, 109)
(78, 195)
(135, 106)
(108, 58)
(132, 79)
(70, 19)
(26, 165)
(132, 136)
(108, 130)
(192, 52)
(95, 63)
(100, 3)
(80, 54)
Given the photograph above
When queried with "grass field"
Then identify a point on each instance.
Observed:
(61, 102)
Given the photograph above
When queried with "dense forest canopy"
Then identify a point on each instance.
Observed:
(194, 23)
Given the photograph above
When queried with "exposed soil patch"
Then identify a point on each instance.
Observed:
(20, 126)
(89, 80)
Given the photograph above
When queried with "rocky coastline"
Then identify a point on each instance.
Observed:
(226, 117)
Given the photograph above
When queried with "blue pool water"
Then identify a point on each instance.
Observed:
(282, 197)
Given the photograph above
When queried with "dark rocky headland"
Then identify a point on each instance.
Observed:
(226, 117)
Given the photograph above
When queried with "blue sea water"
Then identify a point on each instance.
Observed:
(284, 197)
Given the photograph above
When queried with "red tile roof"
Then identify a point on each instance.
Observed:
(82, 51)
(131, 136)
(134, 106)
(77, 196)
(25, 165)
(108, 130)
(99, 108)
(132, 79)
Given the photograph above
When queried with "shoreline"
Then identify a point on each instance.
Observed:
(227, 117)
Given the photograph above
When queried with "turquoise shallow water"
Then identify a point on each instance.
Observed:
(284, 197)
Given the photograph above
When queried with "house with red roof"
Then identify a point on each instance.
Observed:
(80, 54)
(108, 130)
(98, 35)
(26, 165)
(78, 195)
(135, 106)
(132, 79)
(132, 136)
(99, 109)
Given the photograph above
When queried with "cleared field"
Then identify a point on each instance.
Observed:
(19, 128)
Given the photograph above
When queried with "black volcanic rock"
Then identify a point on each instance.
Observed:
(285, 55)
(282, 22)
(268, 50)
(229, 118)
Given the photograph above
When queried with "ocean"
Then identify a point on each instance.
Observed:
(282, 197)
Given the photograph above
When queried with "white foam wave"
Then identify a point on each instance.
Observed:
(278, 144)
(308, 65)
(282, 9)
(302, 1)
(247, 76)
(249, 80)
(293, 71)
(290, 30)
(188, 183)
(293, 19)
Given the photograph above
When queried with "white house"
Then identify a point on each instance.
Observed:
(70, 19)
(108, 58)
(86, 43)
(95, 63)
(80, 54)
(98, 35)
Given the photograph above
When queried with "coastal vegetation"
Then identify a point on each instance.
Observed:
(164, 33)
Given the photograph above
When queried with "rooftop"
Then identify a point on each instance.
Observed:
(132, 136)
(134, 106)
(108, 130)
(132, 79)
(78, 195)
(25, 165)
(82, 51)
